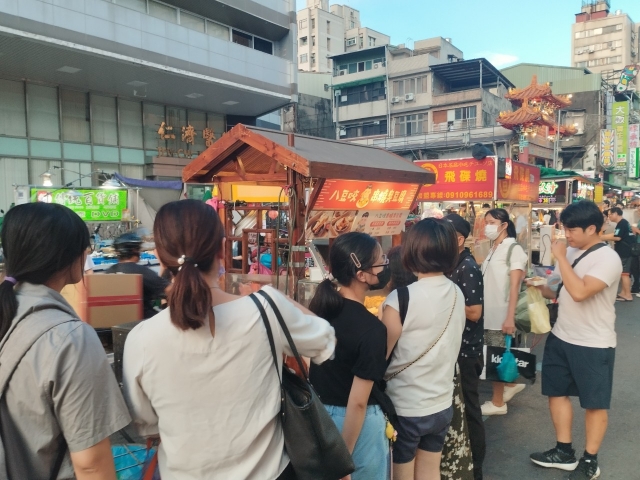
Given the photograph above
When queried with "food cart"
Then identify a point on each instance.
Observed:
(323, 188)
(474, 184)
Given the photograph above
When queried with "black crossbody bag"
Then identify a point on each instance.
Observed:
(312, 440)
(554, 307)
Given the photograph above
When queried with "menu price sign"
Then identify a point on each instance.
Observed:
(358, 195)
(90, 205)
(379, 223)
(524, 184)
(460, 179)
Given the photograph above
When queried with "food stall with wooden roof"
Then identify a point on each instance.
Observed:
(331, 187)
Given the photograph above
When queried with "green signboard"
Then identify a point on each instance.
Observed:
(90, 205)
(620, 122)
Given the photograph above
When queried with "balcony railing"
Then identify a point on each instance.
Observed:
(454, 125)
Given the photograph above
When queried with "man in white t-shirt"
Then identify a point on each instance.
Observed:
(580, 351)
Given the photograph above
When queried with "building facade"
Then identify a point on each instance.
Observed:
(313, 113)
(425, 102)
(325, 31)
(602, 40)
(88, 85)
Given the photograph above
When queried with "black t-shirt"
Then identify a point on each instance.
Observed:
(623, 246)
(153, 285)
(468, 276)
(361, 347)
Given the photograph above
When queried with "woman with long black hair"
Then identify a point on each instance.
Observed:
(60, 402)
(503, 271)
(344, 384)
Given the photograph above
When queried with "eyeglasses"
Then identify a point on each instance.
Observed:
(385, 262)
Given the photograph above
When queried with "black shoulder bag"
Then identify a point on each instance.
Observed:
(312, 440)
(553, 307)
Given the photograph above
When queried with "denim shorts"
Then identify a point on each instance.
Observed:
(426, 433)
(371, 453)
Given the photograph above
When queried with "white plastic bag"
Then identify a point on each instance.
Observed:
(538, 311)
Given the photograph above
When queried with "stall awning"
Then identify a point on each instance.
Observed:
(624, 188)
(249, 154)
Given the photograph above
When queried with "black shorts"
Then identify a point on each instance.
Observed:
(626, 265)
(576, 371)
(426, 433)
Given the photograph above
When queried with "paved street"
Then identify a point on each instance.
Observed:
(528, 428)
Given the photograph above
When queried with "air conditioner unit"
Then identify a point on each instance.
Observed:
(377, 122)
(337, 93)
(613, 48)
(395, 99)
(343, 132)
(342, 72)
(377, 65)
(591, 50)
(409, 97)
(579, 52)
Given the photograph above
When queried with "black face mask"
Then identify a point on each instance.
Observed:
(383, 278)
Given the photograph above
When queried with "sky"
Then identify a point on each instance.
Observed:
(505, 32)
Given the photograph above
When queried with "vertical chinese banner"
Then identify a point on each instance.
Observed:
(634, 151)
(620, 123)
(607, 148)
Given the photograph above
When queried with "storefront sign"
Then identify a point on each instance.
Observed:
(607, 148)
(634, 136)
(461, 179)
(327, 224)
(634, 163)
(598, 193)
(90, 205)
(620, 122)
(547, 188)
(523, 186)
(357, 195)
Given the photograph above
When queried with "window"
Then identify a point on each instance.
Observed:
(353, 67)
(313, 40)
(264, 46)
(241, 38)
(370, 92)
(218, 31)
(328, 27)
(303, 41)
(198, 120)
(75, 116)
(139, 5)
(361, 41)
(313, 59)
(152, 117)
(163, 12)
(361, 66)
(304, 58)
(302, 24)
(191, 21)
(43, 112)
(576, 119)
(351, 41)
(352, 24)
(130, 123)
(410, 125)
(329, 44)
(421, 83)
(375, 128)
(372, 42)
(313, 23)
(581, 64)
(465, 113)
(103, 118)
(13, 120)
(598, 31)
(409, 85)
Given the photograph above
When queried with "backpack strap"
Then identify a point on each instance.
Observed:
(403, 303)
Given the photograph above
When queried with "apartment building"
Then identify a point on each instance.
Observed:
(418, 100)
(602, 40)
(87, 85)
(324, 32)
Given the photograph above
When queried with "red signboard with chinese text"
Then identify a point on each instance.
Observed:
(358, 195)
(459, 180)
(523, 186)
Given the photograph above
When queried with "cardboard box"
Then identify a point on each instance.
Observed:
(104, 301)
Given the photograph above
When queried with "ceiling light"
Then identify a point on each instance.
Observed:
(230, 102)
(67, 69)
(46, 179)
(137, 83)
(194, 95)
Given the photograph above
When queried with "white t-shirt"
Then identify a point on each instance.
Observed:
(497, 281)
(88, 263)
(215, 400)
(591, 323)
(426, 387)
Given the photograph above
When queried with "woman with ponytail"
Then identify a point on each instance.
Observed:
(345, 383)
(200, 373)
(503, 271)
(59, 400)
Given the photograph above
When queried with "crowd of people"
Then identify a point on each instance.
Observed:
(199, 375)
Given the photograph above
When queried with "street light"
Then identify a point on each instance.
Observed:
(46, 179)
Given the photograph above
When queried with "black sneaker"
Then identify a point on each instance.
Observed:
(556, 458)
(587, 470)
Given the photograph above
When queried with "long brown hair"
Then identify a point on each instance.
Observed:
(191, 229)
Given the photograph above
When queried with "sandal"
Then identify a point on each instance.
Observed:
(622, 299)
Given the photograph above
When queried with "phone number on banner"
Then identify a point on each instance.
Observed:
(455, 195)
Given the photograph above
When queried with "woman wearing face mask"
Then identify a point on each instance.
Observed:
(503, 271)
(344, 384)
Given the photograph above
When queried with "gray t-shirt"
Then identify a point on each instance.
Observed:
(62, 397)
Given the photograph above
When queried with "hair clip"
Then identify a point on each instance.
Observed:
(181, 260)
(355, 260)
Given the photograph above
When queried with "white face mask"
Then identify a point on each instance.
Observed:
(491, 232)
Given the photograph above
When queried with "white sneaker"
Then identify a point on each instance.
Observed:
(510, 392)
(488, 408)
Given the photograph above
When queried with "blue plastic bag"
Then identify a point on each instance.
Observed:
(508, 368)
(130, 461)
